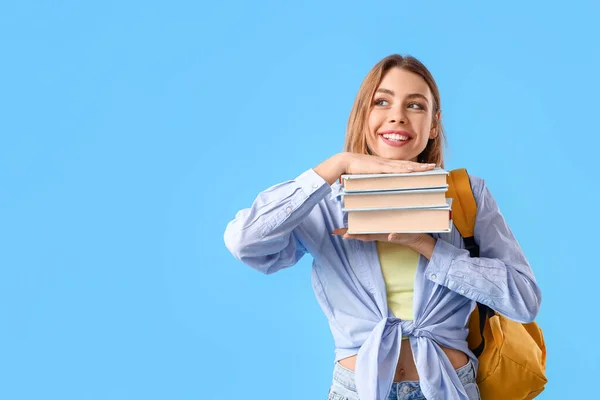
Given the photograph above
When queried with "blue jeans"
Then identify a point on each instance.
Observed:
(343, 387)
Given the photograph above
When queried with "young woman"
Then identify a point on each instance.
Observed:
(397, 305)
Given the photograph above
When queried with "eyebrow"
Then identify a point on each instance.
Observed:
(412, 95)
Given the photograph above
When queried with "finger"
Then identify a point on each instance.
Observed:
(392, 237)
(362, 238)
(427, 165)
(415, 166)
(339, 231)
(398, 166)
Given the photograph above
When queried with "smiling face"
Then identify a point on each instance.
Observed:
(401, 120)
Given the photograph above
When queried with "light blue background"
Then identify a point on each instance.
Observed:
(133, 131)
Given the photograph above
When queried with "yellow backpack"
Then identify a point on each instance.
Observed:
(512, 356)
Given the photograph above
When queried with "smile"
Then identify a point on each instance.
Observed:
(395, 138)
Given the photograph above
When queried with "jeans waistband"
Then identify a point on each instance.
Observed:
(345, 377)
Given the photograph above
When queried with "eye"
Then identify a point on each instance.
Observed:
(416, 106)
(381, 102)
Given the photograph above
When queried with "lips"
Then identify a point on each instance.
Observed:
(396, 138)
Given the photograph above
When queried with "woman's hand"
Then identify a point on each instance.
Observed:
(353, 163)
(420, 242)
(367, 164)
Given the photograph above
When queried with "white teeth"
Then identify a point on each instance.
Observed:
(395, 136)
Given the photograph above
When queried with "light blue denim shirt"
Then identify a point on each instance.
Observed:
(296, 217)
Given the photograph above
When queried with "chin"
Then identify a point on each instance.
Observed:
(396, 155)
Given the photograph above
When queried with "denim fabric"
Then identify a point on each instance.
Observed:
(344, 388)
(295, 218)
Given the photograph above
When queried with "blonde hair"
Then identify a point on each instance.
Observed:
(356, 138)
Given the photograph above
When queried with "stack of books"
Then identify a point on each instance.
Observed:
(397, 203)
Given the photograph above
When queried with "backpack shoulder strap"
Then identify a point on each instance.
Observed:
(464, 207)
(464, 213)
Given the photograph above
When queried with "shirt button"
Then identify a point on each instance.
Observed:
(463, 291)
(289, 209)
(315, 186)
(433, 276)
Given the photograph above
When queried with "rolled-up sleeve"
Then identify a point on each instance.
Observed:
(262, 236)
(500, 277)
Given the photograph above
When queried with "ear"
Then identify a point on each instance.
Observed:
(433, 132)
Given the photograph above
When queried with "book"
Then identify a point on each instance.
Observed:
(435, 178)
(400, 219)
(395, 198)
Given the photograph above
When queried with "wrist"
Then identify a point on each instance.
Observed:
(424, 244)
(332, 168)
(343, 160)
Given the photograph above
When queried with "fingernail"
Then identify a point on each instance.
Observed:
(410, 168)
(431, 165)
(393, 236)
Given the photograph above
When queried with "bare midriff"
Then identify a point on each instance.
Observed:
(406, 369)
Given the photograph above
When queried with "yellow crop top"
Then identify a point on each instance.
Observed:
(399, 266)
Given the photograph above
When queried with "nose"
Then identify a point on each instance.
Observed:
(396, 116)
